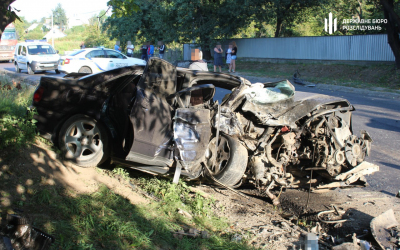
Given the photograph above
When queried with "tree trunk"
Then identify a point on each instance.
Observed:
(392, 29)
(279, 21)
(5, 15)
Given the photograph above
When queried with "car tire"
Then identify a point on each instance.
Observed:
(30, 70)
(231, 160)
(17, 69)
(85, 69)
(83, 141)
(57, 71)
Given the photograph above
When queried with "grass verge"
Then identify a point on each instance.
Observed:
(17, 127)
(106, 220)
(365, 76)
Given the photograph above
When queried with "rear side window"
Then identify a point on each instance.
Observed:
(114, 54)
(96, 54)
(24, 49)
(19, 50)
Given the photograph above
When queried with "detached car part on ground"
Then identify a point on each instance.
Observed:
(166, 120)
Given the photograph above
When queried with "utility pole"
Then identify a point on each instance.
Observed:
(52, 29)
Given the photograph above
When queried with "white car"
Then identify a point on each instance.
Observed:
(95, 60)
(34, 56)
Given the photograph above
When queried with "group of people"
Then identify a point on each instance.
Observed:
(230, 57)
(147, 50)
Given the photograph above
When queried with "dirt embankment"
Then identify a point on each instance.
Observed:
(254, 219)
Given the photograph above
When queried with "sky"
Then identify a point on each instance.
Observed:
(36, 9)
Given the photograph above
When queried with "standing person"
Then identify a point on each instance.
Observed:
(233, 60)
(82, 45)
(150, 50)
(116, 46)
(218, 57)
(144, 52)
(229, 56)
(161, 50)
(130, 48)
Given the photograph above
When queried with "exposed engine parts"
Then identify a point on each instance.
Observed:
(286, 145)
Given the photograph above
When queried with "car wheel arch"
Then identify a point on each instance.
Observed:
(97, 117)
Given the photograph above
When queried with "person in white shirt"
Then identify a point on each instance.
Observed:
(130, 48)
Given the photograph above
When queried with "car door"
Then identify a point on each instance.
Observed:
(98, 60)
(117, 60)
(21, 57)
(151, 115)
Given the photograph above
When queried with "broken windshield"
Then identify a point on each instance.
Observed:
(268, 93)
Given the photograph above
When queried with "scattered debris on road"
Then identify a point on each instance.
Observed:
(386, 230)
(298, 80)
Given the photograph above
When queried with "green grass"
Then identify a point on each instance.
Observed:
(16, 125)
(359, 76)
(105, 220)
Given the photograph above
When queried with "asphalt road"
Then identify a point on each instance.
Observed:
(378, 113)
(24, 74)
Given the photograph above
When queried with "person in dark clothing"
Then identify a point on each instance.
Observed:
(218, 57)
(144, 52)
(233, 60)
(161, 50)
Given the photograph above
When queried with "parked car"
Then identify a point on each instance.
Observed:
(35, 55)
(96, 60)
(169, 120)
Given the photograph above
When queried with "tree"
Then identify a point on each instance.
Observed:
(178, 20)
(393, 28)
(59, 16)
(7, 14)
(95, 35)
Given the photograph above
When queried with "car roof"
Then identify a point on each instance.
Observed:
(87, 50)
(33, 43)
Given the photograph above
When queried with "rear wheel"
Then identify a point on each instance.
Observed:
(17, 69)
(30, 70)
(85, 69)
(83, 141)
(230, 160)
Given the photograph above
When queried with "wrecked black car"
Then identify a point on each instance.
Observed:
(167, 120)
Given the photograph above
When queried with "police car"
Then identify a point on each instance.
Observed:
(35, 55)
(95, 60)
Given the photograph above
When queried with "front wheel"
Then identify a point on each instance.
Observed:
(30, 70)
(17, 69)
(230, 162)
(84, 141)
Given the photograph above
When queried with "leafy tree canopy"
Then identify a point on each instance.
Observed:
(59, 16)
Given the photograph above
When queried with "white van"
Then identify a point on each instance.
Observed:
(35, 55)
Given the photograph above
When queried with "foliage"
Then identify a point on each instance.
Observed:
(105, 220)
(35, 34)
(178, 20)
(20, 26)
(95, 36)
(17, 128)
(7, 14)
(59, 16)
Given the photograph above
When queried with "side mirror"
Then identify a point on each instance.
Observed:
(23, 53)
(57, 51)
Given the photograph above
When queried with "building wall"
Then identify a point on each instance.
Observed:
(332, 48)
